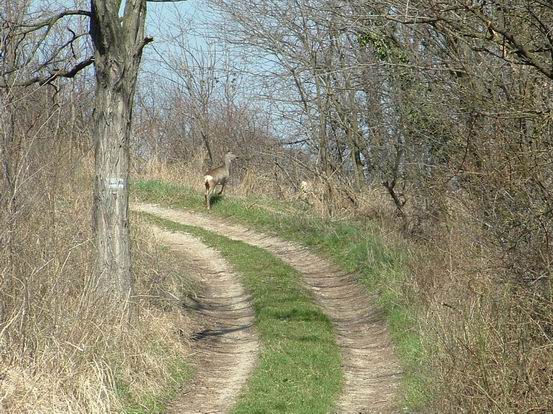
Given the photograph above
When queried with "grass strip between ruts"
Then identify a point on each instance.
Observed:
(299, 367)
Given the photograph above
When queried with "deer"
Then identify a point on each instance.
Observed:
(217, 176)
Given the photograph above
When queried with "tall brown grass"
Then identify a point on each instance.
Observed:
(60, 349)
(490, 338)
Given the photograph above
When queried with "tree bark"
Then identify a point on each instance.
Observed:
(118, 44)
(110, 130)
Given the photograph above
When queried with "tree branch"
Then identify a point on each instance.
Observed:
(300, 141)
(146, 40)
(49, 59)
(43, 80)
(50, 21)
(524, 55)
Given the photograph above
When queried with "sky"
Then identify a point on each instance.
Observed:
(192, 20)
(189, 22)
(174, 26)
(167, 20)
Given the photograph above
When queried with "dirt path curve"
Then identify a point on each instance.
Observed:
(226, 344)
(371, 370)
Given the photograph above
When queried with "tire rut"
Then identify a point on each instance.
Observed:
(226, 346)
(371, 371)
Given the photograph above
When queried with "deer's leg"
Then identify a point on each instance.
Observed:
(207, 194)
(222, 188)
(210, 193)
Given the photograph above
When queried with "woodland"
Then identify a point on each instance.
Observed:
(431, 120)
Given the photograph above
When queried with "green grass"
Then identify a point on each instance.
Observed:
(353, 245)
(299, 367)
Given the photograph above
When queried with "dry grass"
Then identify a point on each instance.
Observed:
(189, 172)
(249, 179)
(490, 339)
(61, 350)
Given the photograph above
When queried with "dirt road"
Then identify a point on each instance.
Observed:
(371, 371)
(226, 345)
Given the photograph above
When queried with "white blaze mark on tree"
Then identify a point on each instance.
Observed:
(116, 183)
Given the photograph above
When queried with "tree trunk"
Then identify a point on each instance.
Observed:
(11, 141)
(111, 131)
(355, 147)
(118, 44)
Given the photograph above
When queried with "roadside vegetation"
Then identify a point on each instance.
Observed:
(299, 365)
(62, 348)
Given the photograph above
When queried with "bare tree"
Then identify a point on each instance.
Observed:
(118, 40)
(118, 44)
(196, 72)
